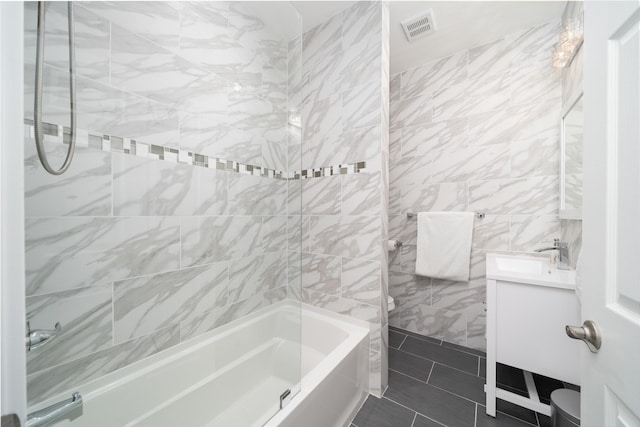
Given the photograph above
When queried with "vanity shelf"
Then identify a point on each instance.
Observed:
(529, 302)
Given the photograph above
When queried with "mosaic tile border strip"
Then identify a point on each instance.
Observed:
(116, 144)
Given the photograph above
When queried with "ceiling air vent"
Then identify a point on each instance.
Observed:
(419, 26)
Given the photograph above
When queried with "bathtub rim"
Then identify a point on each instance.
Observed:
(357, 330)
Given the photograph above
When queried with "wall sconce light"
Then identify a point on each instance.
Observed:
(571, 38)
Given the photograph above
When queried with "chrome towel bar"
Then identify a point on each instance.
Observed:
(479, 215)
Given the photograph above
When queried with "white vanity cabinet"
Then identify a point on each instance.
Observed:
(529, 302)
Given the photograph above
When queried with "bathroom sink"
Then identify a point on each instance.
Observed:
(520, 265)
(529, 269)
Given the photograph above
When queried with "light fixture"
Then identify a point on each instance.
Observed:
(571, 38)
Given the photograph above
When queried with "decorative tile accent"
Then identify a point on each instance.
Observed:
(116, 144)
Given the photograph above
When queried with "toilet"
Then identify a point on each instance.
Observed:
(565, 408)
(391, 304)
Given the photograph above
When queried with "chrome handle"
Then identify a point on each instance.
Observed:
(558, 244)
(588, 333)
(39, 337)
(54, 412)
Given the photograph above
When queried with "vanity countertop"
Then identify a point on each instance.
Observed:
(530, 269)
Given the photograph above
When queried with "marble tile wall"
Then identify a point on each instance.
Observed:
(571, 230)
(345, 95)
(134, 255)
(211, 80)
(476, 131)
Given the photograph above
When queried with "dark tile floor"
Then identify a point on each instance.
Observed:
(435, 383)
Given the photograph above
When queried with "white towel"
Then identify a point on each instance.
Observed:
(444, 245)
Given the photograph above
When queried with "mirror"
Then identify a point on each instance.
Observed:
(571, 160)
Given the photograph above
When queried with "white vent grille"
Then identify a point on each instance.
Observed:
(419, 26)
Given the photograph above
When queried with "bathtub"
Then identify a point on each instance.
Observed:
(234, 376)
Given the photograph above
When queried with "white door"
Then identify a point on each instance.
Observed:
(611, 243)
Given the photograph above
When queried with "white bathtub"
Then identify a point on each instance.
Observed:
(234, 376)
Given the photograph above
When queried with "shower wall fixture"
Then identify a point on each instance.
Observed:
(37, 108)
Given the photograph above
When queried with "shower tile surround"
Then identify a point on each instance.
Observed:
(129, 252)
(345, 93)
(176, 215)
(475, 131)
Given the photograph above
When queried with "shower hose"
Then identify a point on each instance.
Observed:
(37, 110)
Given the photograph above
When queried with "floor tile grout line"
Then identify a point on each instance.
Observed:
(475, 417)
(415, 415)
(435, 386)
(459, 350)
(459, 370)
(442, 343)
(448, 348)
(478, 406)
(403, 340)
(407, 375)
(359, 409)
(431, 371)
(453, 394)
(417, 412)
(516, 418)
(417, 336)
(504, 386)
(439, 363)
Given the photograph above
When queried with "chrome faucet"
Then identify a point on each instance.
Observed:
(38, 337)
(563, 253)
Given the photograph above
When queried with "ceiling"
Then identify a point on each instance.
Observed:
(460, 24)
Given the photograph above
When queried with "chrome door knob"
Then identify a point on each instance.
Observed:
(588, 333)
